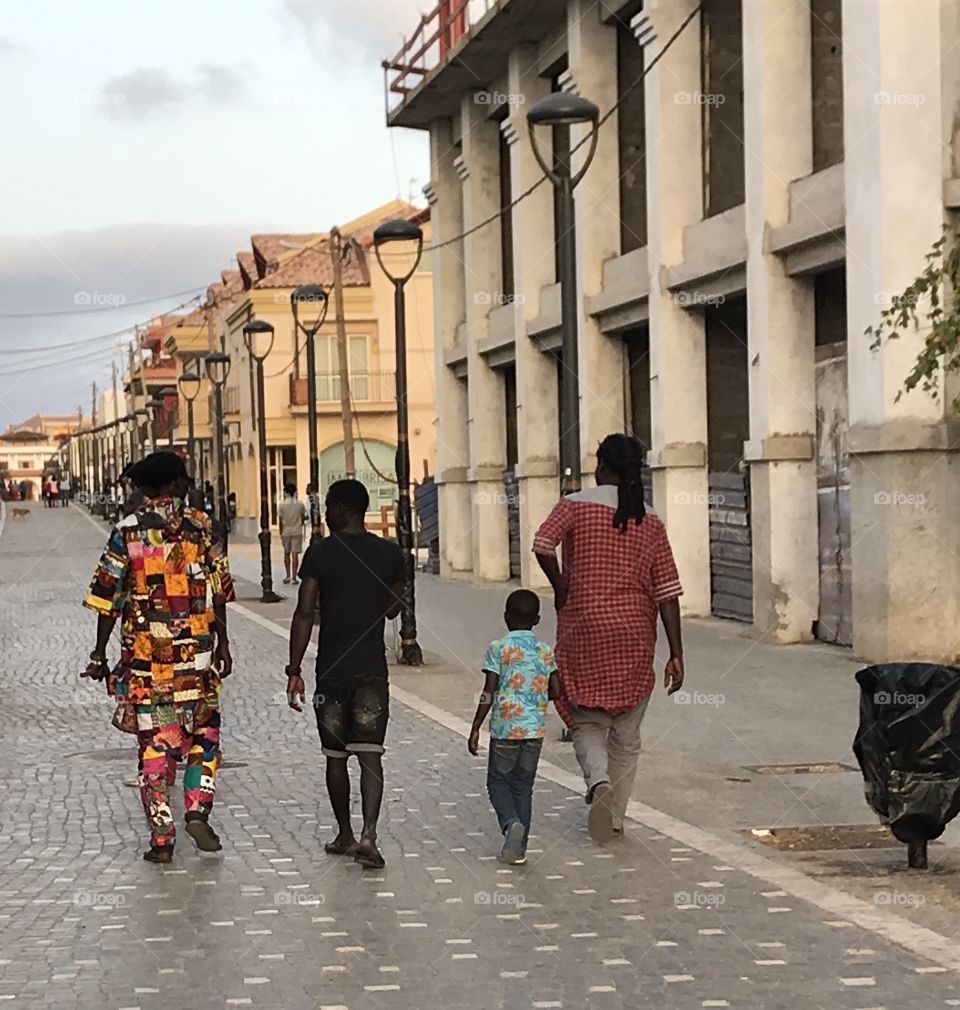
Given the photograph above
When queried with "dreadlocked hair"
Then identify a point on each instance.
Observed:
(624, 455)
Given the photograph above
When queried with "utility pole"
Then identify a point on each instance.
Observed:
(343, 351)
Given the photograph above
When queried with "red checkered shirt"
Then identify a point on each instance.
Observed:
(607, 630)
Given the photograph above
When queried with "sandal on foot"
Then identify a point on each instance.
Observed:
(512, 849)
(338, 848)
(600, 821)
(368, 855)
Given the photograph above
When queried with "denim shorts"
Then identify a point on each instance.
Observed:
(352, 717)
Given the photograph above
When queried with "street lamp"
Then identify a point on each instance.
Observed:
(217, 365)
(311, 295)
(141, 415)
(252, 334)
(560, 111)
(405, 232)
(189, 383)
(165, 395)
(153, 405)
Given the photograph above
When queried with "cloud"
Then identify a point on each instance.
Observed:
(10, 48)
(151, 93)
(377, 27)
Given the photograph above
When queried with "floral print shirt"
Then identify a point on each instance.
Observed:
(523, 665)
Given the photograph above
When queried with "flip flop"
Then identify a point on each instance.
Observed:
(600, 822)
(336, 848)
(369, 860)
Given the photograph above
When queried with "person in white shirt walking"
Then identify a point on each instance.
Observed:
(293, 516)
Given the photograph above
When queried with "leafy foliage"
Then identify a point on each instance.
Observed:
(924, 302)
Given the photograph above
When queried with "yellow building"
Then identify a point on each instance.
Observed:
(260, 289)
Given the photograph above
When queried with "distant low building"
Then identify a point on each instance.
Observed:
(32, 448)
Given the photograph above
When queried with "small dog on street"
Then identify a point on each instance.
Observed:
(18, 513)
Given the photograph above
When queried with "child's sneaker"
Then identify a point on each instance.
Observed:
(512, 851)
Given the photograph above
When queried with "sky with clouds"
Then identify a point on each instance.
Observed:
(144, 144)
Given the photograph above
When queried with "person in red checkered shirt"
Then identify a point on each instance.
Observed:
(618, 573)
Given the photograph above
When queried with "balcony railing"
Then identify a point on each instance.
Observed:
(438, 32)
(365, 387)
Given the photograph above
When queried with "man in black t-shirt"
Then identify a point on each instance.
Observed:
(356, 578)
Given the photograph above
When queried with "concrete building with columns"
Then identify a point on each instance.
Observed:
(758, 195)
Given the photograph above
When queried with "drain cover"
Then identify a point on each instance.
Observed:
(813, 839)
(809, 768)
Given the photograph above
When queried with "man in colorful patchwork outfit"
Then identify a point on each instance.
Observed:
(165, 576)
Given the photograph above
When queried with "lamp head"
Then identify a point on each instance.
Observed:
(309, 295)
(252, 331)
(398, 230)
(189, 383)
(560, 108)
(217, 365)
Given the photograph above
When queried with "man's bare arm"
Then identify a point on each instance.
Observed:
(301, 629)
(97, 668)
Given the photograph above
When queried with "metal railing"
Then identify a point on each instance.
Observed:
(438, 31)
(365, 387)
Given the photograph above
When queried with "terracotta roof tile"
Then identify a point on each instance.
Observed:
(313, 266)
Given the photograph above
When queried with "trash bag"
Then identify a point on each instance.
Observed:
(908, 746)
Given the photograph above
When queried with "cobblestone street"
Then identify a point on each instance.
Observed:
(272, 922)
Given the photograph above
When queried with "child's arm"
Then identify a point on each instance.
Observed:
(490, 686)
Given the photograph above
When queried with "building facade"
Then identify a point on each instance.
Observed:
(260, 289)
(32, 448)
(757, 197)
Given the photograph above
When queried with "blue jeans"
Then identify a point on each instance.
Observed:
(511, 772)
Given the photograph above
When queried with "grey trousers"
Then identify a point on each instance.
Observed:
(608, 748)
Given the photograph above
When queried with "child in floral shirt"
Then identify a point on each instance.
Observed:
(520, 678)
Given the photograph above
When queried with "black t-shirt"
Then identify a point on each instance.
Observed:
(355, 572)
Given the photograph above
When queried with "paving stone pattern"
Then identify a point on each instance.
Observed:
(272, 922)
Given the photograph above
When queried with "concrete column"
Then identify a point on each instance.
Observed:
(453, 451)
(538, 432)
(678, 379)
(592, 54)
(780, 326)
(479, 170)
(904, 470)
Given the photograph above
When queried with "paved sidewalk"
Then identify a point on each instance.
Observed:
(272, 922)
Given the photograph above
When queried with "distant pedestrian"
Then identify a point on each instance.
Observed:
(292, 515)
(165, 577)
(65, 490)
(356, 578)
(53, 491)
(521, 676)
(24, 490)
(618, 572)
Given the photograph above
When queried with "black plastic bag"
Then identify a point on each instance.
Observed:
(908, 746)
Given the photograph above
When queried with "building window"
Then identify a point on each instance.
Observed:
(506, 222)
(365, 385)
(632, 141)
(826, 82)
(721, 102)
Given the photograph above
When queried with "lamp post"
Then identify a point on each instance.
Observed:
(405, 232)
(153, 405)
(311, 295)
(189, 383)
(97, 482)
(560, 111)
(164, 395)
(141, 415)
(217, 365)
(254, 332)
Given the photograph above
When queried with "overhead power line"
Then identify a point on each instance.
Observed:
(100, 308)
